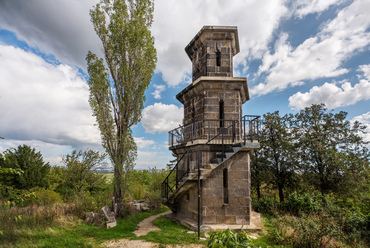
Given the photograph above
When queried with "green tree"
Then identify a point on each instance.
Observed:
(277, 151)
(332, 153)
(117, 86)
(80, 172)
(29, 161)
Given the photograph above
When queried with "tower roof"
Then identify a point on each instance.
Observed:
(214, 33)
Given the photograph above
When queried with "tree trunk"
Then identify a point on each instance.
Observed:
(281, 194)
(258, 191)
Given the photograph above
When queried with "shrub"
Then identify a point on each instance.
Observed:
(265, 205)
(298, 205)
(228, 238)
(45, 197)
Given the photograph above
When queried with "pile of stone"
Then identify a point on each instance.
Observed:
(139, 206)
(97, 218)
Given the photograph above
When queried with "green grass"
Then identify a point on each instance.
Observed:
(75, 234)
(171, 233)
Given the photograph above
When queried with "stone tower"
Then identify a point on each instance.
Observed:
(214, 144)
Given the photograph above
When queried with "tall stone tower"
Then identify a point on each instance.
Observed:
(214, 144)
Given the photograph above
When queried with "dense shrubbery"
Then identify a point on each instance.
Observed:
(313, 221)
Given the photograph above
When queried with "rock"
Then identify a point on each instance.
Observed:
(109, 215)
(89, 217)
(139, 206)
(95, 218)
(111, 224)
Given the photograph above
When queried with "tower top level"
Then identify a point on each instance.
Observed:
(212, 50)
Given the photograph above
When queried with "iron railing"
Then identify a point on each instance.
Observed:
(218, 135)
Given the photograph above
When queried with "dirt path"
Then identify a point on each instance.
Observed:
(147, 225)
(144, 228)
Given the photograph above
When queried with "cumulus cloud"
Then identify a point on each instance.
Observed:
(159, 118)
(60, 27)
(51, 26)
(41, 101)
(255, 20)
(306, 7)
(141, 142)
(317, 57)
(335, 96)
(332, 95)
(158, 90)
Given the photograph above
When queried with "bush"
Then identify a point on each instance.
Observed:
(298, 205)
(265, 205)
(228, 238)
(45, 197)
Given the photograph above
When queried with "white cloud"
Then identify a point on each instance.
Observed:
(332, 95)
(59, 27)
(364, 119)
(158, 90)
(41, 101)
(161, 117)
(317, 57)
(141, 142)
(51, 26)
(366, 70)
(177, 22)
(305, 7)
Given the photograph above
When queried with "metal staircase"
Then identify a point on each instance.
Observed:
(198, 162)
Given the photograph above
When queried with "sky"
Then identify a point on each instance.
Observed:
(293, 54)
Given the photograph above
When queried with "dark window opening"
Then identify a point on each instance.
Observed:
(221, 113)
(218, 58)
(225, 186)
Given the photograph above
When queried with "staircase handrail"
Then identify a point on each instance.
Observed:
(169, 188)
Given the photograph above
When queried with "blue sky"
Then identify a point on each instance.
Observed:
(293, 53)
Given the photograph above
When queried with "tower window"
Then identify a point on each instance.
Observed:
(226, 188)
(218, 58)
(221, 113)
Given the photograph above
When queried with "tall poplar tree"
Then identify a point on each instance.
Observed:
(117, 84)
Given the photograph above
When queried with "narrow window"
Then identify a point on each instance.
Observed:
(218, 58)
(221, 113)
(225, 184)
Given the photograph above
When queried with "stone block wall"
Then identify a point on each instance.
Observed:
(214, 58)
(214, 210)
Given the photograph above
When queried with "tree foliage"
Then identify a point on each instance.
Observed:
(330, 149)
(25, 159)
(277, 158)
(313, 149)
(117, 85)
(80, 172)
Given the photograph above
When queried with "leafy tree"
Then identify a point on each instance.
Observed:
(276, 152)
(258, 172)
(25, 159)
(117, 86)
(80, 172)
(331, 151)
